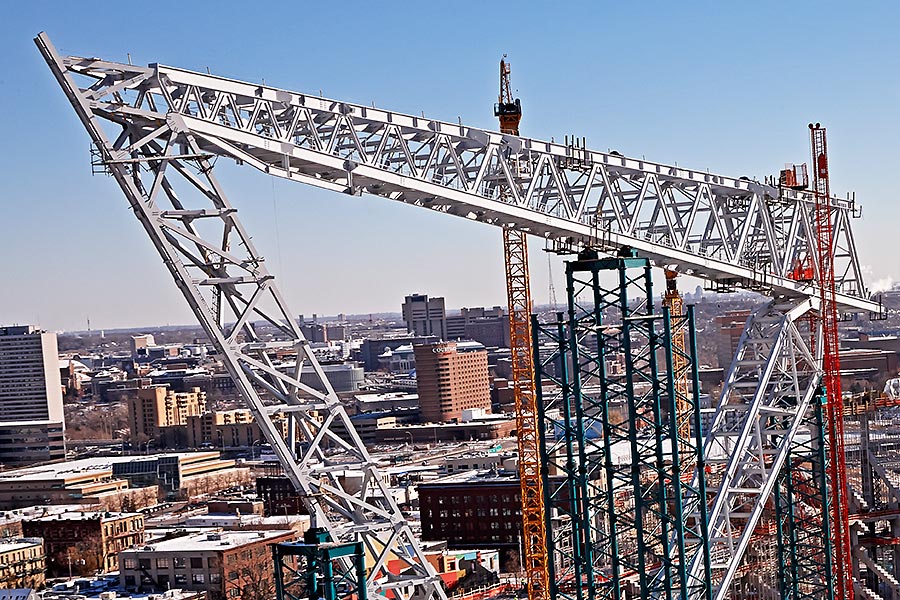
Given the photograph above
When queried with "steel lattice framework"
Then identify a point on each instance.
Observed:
(614, 433)
(774, 374)
(733, 231)
(802, 511)
(168, 180)
(158, 131)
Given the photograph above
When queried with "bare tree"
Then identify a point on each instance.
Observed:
(253, 573)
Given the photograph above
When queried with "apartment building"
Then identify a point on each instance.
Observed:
(22, 563)
(90, 541)
(154, 408)
(219, 563)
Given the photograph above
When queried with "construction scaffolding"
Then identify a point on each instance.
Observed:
(610, 426)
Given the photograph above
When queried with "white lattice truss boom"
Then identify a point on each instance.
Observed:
(171, 124)
(724, 229)
(168, 180)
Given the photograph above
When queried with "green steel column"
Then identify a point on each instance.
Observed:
(779, 537)
(279, 573)
(359, 556)
(632, 429)
(549, 498)
(822, 455)
(570, 395)
(706, 582)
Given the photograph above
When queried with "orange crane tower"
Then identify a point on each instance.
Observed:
(831, 367)
(518, 291)
(680, 373)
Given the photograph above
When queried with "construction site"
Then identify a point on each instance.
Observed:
(632, 484)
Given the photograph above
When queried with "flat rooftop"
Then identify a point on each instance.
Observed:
(95, 465)
(10, 545)
(211, 542)
(87, 515)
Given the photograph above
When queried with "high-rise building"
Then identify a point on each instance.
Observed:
(31, 405)
(425, 316)
(450, 382)
(154, 408)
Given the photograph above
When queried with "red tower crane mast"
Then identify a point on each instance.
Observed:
(831, 366)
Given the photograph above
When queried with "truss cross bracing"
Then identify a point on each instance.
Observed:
(158, 130)
(729, 230)
(767, 393)
(168, 179)
(611, 428)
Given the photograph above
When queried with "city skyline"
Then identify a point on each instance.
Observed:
(741, 109)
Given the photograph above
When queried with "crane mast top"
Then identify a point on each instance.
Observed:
(509, 111)
(831, 368)
(535, 560)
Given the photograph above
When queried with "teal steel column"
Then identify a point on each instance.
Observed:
(706, 583)
(549, 496)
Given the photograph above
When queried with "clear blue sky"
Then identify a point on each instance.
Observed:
(718, 85)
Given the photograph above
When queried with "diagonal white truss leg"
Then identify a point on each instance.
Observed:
(768, 390)
(225, 281)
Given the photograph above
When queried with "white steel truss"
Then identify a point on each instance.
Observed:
(170, 125)
(168, 179)
(733, 231)
(767, 392)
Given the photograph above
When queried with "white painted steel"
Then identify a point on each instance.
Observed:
(170, 124)
(168, 180)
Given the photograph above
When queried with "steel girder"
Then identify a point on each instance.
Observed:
(767, 393)
(732, 231)
(167, 177)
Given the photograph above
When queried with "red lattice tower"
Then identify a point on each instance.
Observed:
(831, 366)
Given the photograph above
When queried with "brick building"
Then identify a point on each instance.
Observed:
(91, 540)
(450, 381)
(475, 509)
(220, 563)
(154, 408)
(731, 326)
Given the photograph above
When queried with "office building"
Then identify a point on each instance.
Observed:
(220, 563)
(31, 404)
(372, 349)
(731, 326)
(425, 316)
(451, 378)
(486, 325)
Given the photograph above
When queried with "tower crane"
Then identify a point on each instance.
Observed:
(518, 291)
(831, 364)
